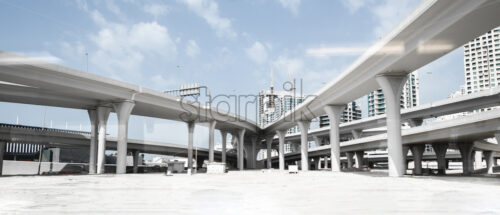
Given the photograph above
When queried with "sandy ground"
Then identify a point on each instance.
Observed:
(250, 192)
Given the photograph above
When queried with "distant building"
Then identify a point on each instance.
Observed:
(409, 96)
(481, 68)
(274, 104)
(482, 62)
(352, 112)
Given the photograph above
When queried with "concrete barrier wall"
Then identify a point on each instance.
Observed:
(31, 167)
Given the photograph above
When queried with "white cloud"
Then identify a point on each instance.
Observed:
(257, 52)
(309, 76)
(121, 49)
(355, 5)
(209, 11)
(192, 49)
(390, 13)
(98, 18)
(162, 83)
(82, 5)
(292, 5)
(387, 13)
(110, 4)
(156, 10)
(42, 56)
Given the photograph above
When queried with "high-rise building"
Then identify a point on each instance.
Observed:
(482, 62)
(409, 97)
(352, 111)
(481, 68)
(274, 104)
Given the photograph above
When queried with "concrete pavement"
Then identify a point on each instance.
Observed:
(250, 192)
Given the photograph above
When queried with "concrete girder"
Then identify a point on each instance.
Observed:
(414, 122)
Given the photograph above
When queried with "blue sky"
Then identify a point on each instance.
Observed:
(229, 46)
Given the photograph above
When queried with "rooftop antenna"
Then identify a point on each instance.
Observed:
(291, 80)
(271, 97)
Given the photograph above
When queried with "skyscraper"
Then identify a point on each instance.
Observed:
(274, 104)
(409, 97)
(352, 112)
(482, 62)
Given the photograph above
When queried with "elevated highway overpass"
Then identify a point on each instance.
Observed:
(433, 29)
(29, 81)
(75, 139)
(465, 134)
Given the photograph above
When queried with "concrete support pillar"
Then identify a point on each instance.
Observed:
(253, 151)
(136, 161)
(102, 118)
(317, 162)
(334, 112)
(466, 154)
(224, 140)
(241, 140)
(93, 141)
(350, 159)
(269, 142)
(359, 159)
(281, 137)
(190, 125)
(326, 162)
(2, 153)
(405, 156)
(478, 159)
(304, 146)
(488, 157)
(211, 131)
(440, 150)
(123, 110)
(417, 151)
(392, 85)
(356, 133)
